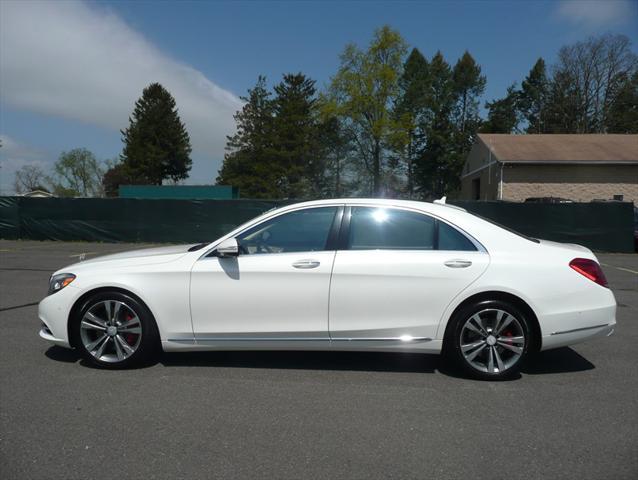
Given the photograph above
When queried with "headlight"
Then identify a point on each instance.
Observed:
(59, 281)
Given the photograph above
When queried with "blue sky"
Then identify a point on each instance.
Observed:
(70, 71)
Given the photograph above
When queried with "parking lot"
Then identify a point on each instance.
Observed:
(573, 413)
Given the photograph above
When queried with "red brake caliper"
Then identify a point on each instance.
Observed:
(130, 337)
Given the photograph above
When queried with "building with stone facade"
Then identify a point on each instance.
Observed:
(581, 168)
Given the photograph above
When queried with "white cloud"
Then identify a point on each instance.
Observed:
(596, 13)
(13, 156)
(79, 61)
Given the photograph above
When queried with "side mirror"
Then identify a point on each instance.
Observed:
(228, 248)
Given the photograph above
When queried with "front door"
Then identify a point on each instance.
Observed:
(277, 289)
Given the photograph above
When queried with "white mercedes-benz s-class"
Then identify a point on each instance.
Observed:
(351, 274)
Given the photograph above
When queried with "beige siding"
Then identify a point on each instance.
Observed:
(581, 183)
(480, 165)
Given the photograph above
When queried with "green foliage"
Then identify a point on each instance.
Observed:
(503, 115)
(295, 135)
(115, 176)
(411, 115)
(77, 173)
(391, 125)
(248, 162)
(532, 98)
(156, 143)
(587, 78)
(623, 112)
(362, 93)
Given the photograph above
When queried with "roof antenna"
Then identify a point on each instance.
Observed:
(441, 201)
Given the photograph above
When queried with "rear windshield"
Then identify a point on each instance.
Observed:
(531, 239)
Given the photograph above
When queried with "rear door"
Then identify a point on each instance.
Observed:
(397, 272)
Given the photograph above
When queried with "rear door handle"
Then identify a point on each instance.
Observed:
(458, 263)
(306, 264)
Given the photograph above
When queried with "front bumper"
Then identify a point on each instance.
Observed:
(53, 312)
(46, 334)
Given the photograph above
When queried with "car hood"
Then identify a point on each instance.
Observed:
(144, 256)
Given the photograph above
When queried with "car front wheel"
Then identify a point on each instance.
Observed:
(491, 339)
(114, 330)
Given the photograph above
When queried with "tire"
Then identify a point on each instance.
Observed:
(490, 340)
(115, 331)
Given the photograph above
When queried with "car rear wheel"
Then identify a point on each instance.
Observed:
(491, 339)
(114, 330)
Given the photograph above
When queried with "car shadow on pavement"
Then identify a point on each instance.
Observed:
(559, 360)
(562, 360)
(306, 360)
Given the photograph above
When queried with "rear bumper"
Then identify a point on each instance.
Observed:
(577, 335)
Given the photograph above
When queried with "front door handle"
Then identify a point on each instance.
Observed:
(306, 264)
(458, 263)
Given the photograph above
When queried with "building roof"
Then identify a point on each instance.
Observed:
(37, 193)
(562, 148)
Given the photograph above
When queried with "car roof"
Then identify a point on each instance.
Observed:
(387, 202)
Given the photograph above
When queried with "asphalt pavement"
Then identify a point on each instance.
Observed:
(573, 413)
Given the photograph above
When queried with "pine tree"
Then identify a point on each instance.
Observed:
(469, 85)
(156, 143)
(432, 167)
(411, 114)
(533, 97)
(502, 114)
(295, 135)
(248, 163)
(623, 113)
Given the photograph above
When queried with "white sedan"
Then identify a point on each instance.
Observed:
(354, 274)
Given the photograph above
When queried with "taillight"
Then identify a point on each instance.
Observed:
(590, 269)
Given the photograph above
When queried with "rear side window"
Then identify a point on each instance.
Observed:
(451, 239)
(393, 229)
(390, 229)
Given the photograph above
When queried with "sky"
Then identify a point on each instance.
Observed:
(70, 71)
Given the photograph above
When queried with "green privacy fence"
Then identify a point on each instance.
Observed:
(600, 226)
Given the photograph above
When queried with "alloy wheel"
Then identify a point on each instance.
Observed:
(492, 341)
(111, 331)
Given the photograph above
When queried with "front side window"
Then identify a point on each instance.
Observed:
(299, 231)
(390, 229)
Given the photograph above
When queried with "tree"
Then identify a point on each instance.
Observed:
(361, 94)
(332, 176)
(432, 170)
(532, 98)
(247, 163)
(623, 111)
(468, 86)
(562, 112)
(502, 114)
(295, 135)
(115, 176)
(156, 143)
(29, 178)
(411, 113)
(586, 79)
(77, 173)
